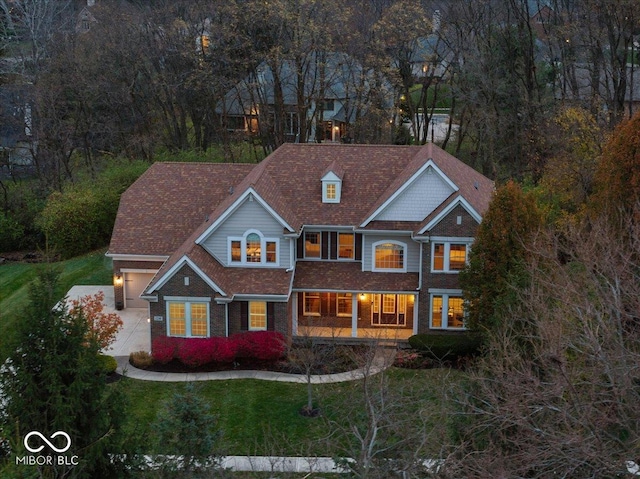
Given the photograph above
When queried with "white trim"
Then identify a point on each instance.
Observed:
(389, 270)
(187, 316)
(446, 266)
(133, 270)
(243, 250)
(452, 239)
(275, 298)
(444, 319)
(136, 257)
(195, 299)
(185, 260)
(248, 193)
(266, 317)
(399, 191)
(338, 192)
(459, 200)
(294, 318)
(444, 291)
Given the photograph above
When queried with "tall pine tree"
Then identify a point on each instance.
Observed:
(51, 382)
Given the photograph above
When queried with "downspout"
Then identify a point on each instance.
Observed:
(226, 320)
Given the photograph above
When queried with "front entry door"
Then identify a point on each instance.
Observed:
(389, 310)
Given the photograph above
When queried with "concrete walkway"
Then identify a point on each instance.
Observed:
(383, 359)
(135, 334)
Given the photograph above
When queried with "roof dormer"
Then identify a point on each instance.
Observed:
(332, 184)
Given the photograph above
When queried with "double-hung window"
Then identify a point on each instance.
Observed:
(188, 318)
(346, 245)
(312, 242)
(448, 257)
(447, 310)
(257, 315)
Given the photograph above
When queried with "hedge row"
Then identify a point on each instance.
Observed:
(194, 352)
(446, 346)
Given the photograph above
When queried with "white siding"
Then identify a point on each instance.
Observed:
(418, 200)
(412, 252)
(250, 215)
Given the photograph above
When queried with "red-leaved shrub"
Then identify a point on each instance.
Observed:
(165, 348)
(195, 352)
(223, 350)
(264, 345)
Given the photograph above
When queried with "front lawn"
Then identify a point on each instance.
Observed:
(90, 269)
(262, 417)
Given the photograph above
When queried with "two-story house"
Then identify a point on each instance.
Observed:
(357, 241)
(319, 100)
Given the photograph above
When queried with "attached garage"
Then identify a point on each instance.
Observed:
(134, 285)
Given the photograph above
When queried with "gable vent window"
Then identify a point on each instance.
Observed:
(331, 187)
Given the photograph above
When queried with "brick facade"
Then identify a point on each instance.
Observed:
(118, 266)
(196, 288)
(448, 227)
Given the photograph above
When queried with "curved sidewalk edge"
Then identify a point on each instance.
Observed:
(381, 361)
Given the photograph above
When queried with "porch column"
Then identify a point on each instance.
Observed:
(294, 314)
(354, 315)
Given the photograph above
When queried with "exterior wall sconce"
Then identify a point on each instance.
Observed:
(363, 296)
(117, 280)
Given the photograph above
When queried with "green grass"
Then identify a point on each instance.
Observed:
(93, 268)
(261, 417)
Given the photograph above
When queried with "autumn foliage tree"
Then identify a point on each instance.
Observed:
(617, 178)
(101, 327)
(568, 406)
(496, 261)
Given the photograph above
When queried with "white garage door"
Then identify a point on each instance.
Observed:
(134, 284)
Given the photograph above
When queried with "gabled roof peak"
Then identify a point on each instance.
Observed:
(334, 168)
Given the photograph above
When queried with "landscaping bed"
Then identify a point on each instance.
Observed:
(248, 351)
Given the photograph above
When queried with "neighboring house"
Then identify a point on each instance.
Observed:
(16, 140)
(355, 241)
(333, 85)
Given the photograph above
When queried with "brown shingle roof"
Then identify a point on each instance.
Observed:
(348, 276)
(163, 207)
(173, 204)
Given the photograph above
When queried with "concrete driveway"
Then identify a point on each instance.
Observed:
(135, 334)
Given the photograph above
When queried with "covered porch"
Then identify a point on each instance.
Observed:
(363, 315)
(336, 299)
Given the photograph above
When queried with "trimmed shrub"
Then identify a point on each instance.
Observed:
(223, 350)
(446, 346)
(108, 364)
(140, 359)
(194, 352)
(263, 345)
(165, 348)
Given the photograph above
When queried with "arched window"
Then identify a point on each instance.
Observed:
(389, 256)
(253, 248)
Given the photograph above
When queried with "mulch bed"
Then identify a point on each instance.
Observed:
(338, 364)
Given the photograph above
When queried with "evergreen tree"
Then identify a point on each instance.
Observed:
(186, 435)
(496, 261)
(51, 382)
